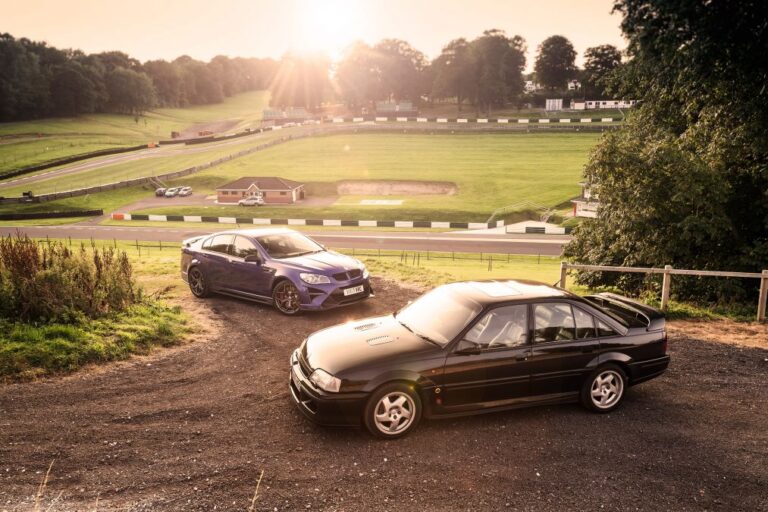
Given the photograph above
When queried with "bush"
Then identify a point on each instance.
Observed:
(53, 283)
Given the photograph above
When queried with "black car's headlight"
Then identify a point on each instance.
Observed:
(314, 278)
(325, 381)
(365, 272)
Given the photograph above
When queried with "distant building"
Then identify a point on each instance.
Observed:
(531, 86)
(585, 205)
(272, 116)
(271, 189)
(602, 104)
(554, 104)
(400, 108)
(574, 85)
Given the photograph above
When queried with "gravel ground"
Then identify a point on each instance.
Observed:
(193, 428)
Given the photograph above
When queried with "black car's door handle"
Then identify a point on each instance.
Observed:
(521, 357)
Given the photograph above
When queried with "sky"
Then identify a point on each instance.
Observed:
(166, 29)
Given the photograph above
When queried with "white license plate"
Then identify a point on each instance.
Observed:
(354, 290)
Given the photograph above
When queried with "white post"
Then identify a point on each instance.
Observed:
(665, 287)
(563, 273)
(763, 298)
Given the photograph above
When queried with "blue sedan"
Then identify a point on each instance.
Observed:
(274, 266)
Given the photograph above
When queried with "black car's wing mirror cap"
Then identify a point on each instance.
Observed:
(466, 347)
(252, 258)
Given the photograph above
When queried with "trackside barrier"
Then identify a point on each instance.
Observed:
(668, 272)
(408, 224)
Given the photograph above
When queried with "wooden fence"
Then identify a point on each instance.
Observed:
(668, 272)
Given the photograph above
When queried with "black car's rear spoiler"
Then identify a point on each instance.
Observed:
(652, 318)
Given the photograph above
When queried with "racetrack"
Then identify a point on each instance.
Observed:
(546, 245)
(192, 428)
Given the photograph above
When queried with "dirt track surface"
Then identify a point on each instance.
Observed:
(192, 428)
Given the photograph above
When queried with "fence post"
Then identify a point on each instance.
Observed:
(563, 274)
(761, 301)
(665, 287)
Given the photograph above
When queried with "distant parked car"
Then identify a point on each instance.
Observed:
(251, 201)
(481, 346)
(275, 266)
(172, 192)
(185, 191)
(160, 192)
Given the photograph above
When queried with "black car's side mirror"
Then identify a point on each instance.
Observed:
(252, 258)
(466, 347)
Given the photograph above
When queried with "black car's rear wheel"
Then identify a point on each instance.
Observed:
(286, 298)
(604, 389)
(197, 283)
(392, 411)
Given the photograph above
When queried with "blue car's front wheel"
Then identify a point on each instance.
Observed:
(286, 298)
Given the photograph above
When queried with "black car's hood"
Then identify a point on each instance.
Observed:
(351, 346)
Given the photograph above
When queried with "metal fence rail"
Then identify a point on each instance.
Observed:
(668, 272)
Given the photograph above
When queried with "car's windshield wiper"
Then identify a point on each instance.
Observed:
(422, 336)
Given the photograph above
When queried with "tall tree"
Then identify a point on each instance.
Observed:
(455, 72)
(599, 63)
(72, 91)
(300, 81)
(358, 76)
(555, 62)
(498, 62)
(401, 69)
(130, 92)
(684, 180)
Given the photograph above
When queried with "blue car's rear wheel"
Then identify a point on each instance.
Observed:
(197, 283)
(286, 298)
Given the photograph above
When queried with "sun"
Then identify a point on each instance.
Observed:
(326, 26)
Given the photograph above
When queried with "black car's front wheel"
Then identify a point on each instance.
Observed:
(197, 283)
(604, 389)
(392, 411)
(286, 298)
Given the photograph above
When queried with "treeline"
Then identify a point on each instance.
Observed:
(37, 80)
(486, 72)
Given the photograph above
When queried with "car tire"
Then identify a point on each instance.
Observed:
(604, 389)
(393, 411)
(198, 284)
(285, 297)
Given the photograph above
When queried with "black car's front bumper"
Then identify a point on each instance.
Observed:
(330, 409)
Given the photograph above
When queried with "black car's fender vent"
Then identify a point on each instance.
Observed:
(367, 327)
(380, 340)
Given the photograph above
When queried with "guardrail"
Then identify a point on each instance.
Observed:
(668, 272)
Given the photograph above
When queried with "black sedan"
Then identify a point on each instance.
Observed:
(480, 346)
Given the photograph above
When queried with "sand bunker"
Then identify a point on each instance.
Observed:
(395, 187)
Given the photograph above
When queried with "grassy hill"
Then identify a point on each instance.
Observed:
(491, 171)
(31, 142)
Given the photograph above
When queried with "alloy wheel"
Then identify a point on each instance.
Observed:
(286, 298)
(197, 282)
(394, 413)
(607, 389)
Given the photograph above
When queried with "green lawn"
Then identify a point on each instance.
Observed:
(33, 142)
(491, 171)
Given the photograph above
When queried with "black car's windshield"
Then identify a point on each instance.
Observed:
(288, 245)
(438, 315)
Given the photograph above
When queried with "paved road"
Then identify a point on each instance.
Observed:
(547, 245)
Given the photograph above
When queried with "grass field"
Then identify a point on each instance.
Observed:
(32, 142)
(491, 171)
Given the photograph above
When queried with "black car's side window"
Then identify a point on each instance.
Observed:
(585, 324)
(605, 329)
(506, 326)
(554, 322)
(244, 247)
(221, 243)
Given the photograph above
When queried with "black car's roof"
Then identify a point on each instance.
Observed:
(492, 291)
(256, 232)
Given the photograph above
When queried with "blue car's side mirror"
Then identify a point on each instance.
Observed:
(252, 258)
